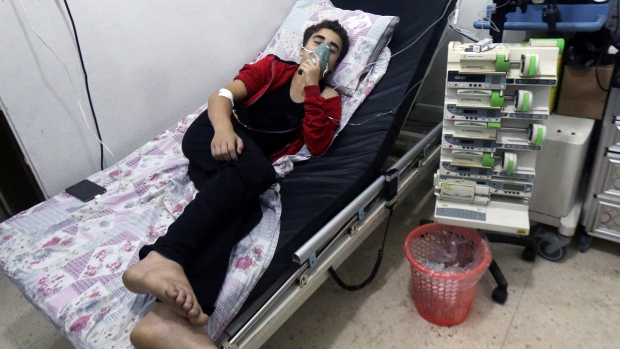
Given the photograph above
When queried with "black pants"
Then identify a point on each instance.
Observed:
(225, 209)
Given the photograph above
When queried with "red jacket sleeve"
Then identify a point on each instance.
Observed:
(256, 76)
(321, 121)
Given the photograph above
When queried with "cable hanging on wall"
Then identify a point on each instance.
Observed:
(90, 102)
(98, 136)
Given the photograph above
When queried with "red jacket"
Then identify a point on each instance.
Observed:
(317, 129)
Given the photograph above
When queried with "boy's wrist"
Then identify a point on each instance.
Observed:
(223, 126)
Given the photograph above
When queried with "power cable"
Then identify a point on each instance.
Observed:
(375, 268)
(90, 102)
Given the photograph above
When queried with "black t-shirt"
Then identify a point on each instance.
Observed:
(274, 120)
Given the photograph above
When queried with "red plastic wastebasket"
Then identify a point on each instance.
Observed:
(443, 296)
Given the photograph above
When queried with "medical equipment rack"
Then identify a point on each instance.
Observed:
(497, 100)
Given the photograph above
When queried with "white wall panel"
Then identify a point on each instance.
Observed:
(149, 63)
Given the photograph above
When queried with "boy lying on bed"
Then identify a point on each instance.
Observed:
(278, 106)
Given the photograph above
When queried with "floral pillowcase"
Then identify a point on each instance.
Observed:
(368, 35)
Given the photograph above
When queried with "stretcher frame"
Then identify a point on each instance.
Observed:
(333, 244)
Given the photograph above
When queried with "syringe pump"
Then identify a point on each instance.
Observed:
(497, 100)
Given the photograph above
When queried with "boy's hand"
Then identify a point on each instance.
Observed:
(226, 145)
(311, 71)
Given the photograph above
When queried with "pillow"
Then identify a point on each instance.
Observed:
(368, 35)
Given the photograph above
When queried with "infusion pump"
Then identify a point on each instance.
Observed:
(497, 99)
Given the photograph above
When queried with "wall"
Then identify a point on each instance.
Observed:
(149, 64)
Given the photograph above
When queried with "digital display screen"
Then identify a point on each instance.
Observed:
(472, 78)
(455, 76)
(470, 111)
(514, 187)
(466, 141)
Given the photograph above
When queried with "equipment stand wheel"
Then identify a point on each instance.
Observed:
(500, 294)
(585, 240)
(543, 248)
(529, 254)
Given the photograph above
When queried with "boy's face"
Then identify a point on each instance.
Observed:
(320, 37)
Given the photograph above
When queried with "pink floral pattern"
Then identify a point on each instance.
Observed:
(79, 324)
(243, 263)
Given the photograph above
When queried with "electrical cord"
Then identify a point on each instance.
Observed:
(90, 102)
(408, 91)
(453, 21)
(375, 268)
(427, 29)
(492, 25)
(459, 30)
(612, 41)
(72, 84)
(596, 74)
(98, 138)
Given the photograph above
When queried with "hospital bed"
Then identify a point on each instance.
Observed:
(352, 192)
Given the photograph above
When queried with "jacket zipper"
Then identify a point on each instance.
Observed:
(264, 90)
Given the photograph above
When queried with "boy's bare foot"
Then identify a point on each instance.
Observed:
(166, 280)
(163, 328)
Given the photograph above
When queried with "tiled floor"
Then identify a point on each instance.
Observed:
(571, 304)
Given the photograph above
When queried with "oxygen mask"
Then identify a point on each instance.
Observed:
(322, 53)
